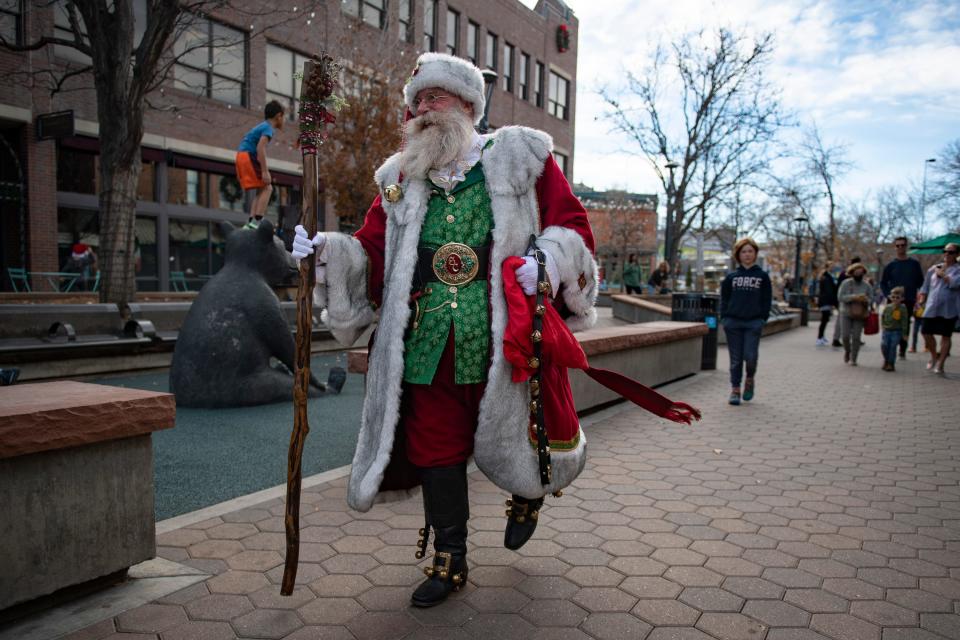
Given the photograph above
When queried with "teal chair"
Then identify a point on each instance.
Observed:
(20, 275)
(178, 281)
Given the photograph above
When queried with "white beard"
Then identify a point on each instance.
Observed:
(434, 140)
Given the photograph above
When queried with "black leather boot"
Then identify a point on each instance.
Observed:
(522, 516)
(447, 511)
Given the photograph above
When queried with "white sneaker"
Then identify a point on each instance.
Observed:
(821, 342)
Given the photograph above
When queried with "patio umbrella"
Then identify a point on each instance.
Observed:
(935, 245)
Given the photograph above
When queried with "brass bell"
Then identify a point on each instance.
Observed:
(533, 362)
(543, 286)
(509, 503)
(558, 494)
(534, 515)
(509, 513)
(393, 193)
(521, 519)
(443, 574)
(540, 310)
(418, 555)
(457, 579)
(533, 406)
(428, 571)
(534, 387)
(536, 336)
(421, 534)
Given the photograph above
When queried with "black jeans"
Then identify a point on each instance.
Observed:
(824, 319)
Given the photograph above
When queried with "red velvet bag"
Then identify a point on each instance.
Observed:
(562, 351)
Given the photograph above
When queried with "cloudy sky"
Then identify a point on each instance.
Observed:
(879, 75)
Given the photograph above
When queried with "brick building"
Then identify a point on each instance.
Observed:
(623, 223)
(48, 188)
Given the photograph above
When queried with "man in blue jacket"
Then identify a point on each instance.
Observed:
(903, 271)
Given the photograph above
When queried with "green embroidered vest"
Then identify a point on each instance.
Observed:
(465, 217)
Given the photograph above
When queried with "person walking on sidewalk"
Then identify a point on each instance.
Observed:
(906, 272)
(745, 298)
(855, 295)
(251, 161)
(940, 296)
(827, 299)
(631, 274)
(895, 323)
(837, 326)
(452, 207)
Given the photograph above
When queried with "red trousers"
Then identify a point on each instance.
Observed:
(440, 418)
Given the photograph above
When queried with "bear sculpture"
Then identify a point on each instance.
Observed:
(236, 325)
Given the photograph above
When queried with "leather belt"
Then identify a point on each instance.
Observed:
(453, 264)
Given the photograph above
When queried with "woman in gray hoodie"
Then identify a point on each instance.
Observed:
(855, 295)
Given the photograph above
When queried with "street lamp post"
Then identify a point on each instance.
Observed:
(923, 196)
(667, 229)
(489, 81)
(799, 221)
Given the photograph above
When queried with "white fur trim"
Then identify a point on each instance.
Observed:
(456, 75)
(573, 258)
(348, 305)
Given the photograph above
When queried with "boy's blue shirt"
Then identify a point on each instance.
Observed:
(250, 141)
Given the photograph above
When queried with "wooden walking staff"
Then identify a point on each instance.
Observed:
(316, 103)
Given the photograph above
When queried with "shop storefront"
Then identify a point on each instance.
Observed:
(182, 202)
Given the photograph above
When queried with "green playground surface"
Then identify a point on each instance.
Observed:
(214, 455)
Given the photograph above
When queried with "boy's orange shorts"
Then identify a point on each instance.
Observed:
(248, 171)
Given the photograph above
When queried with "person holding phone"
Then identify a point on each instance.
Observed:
(940, 297)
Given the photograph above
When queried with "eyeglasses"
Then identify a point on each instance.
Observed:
(900, 245)
(953, 252)
(431, 99)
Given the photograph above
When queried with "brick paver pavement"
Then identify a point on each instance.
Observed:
(827, 508)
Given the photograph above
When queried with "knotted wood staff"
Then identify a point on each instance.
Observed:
(317, 102)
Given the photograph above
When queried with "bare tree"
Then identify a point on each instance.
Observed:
(946, 186)
(369, 128)
(128, 61)
(728, 114)
(825, 164)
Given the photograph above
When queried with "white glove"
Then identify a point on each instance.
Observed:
(527, 274)
(303, 245)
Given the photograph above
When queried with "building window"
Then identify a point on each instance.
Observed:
(373, 12)
(406, 21)
(10, 12)
(538, 84)
(559, 93)
(211, 61)
(63, 30)
(523, 77)
(430, 25)
(491, 51)
(507, 67)
(562, 161)
(453, 32)
(473, 42)
(282, 83)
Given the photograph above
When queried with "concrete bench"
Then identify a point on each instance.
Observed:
(77, 492)
(652, 353)
(634, 308)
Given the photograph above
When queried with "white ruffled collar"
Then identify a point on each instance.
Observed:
(449, 176)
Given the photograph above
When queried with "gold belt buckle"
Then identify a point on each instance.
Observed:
(455, 264)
